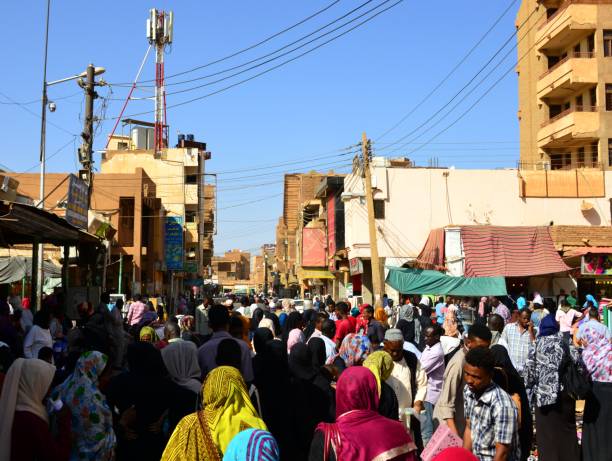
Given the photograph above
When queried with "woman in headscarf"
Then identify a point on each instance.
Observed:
(181, 361)
(256, 317)
(92, 421)
(422, 322)
(24, 425)
(450, 325)
(39, 335)
(142, 397)
(252, 445)
(381, 316)
(555, 410)
(356, 414)
(315, 403)
(292, 330)
(354, 349)
(310, 319)
(147, 334)
(317, 349)
(381, 364)
(227, 410)
(512, 382)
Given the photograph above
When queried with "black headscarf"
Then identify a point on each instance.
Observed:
(407, 329)
(294, 319)
(300, 362)
(317, 349)
(260, 338)
(256, 317)
(275, 321)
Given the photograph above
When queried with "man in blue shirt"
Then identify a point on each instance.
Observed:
(439, 310)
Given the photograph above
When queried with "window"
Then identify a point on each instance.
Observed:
(191, 179)
(593, 96)
(581, 157)
(552, 61)
(608, 96)
(610, 154)
(126, 221)
(577, 50)
(379, 209)
(594, 155)
(560, 161)
(579, 103)
(550, 12)
(591, 43)
(554, 110)
(607, 43)
(191, 216)
(122, 146)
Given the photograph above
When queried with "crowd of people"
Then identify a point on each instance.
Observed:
(256, 379)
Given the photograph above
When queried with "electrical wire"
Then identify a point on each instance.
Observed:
(471, 80)
(221, 90)
(244, 50)
(450, 73)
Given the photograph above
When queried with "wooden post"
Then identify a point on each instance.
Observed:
(34, 278)
(375, 262)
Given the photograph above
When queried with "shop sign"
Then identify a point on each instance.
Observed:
(596, 264)
(191, 267)
(174, 243)
(356, 266)
(78, 202)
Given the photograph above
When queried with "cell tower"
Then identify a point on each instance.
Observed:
(159, 33)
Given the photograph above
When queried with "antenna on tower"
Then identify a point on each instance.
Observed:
(159, 33)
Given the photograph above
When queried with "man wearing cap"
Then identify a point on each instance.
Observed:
(408, 379)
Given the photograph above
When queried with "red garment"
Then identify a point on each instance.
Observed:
(32, 440)
(343, 328)
(361, 324)
(353, 321)
(455, 454)
(356, 415)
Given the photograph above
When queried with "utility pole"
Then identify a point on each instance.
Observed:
(265, 285)
(366, 153)
(86, 149)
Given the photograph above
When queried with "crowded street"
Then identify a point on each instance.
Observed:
(323, 230)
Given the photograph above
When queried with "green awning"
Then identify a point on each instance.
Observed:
(418, 281)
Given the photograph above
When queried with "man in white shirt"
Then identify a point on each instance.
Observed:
(408, 379)
(328, 332)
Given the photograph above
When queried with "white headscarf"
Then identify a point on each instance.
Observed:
(181, 360)
(25, 386)
(267, 323)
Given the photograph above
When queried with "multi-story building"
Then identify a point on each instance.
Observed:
(565, 95)
(186, 200)
(232, 269)
(128, 202)
(263, 266)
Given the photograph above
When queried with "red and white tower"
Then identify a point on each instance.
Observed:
(159, 33)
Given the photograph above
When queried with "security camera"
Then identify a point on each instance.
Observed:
(52, 106)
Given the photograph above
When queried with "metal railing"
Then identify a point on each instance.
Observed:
(547, 166)
(572, 55)
(567, 3)
(567, 112)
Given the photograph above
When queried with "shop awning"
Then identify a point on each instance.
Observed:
(432, 254)
(304, 274)
(517, 251)
(418, 281)
(15, 268)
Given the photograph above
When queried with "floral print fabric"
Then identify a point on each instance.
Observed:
(92, 425)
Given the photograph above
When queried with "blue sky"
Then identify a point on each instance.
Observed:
(302, 112)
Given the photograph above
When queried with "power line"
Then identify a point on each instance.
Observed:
(452, 71)
(221, 90)
(472, 79)
(244, 50)
(276, 51)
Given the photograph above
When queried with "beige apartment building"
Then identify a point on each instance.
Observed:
(178, 175)
(565, 93)
(232, 269)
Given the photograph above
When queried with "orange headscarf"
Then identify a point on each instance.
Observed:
(381, 315)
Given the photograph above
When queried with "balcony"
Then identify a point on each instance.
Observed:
(568, 183)
(580, 122)
(574, 20)
(572, 74)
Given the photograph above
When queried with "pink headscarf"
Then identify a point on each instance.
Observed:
(295, 336)
(357, 414)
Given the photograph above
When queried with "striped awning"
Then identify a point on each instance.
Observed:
(509, 251)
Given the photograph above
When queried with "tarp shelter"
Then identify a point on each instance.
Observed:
(418, 281)
(15, 268)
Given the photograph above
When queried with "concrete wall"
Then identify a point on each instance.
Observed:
(418, 200)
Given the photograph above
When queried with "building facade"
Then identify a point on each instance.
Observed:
(232, 269)
(565, 89)
(186, 199)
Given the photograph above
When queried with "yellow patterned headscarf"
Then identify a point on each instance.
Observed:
(381, 364)
(148, 331)
(227, 411)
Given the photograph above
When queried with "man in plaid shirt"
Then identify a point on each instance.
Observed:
(491, 431)
(519, 336)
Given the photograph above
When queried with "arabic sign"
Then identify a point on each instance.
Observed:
(596, 264)
(356, 266)
(173, 243)
(78, 202)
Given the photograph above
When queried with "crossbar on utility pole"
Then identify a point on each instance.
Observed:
(366, 153)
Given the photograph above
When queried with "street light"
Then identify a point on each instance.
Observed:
(265, 287)
(43, 135)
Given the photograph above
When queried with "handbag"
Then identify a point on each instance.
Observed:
(574, 381)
